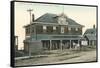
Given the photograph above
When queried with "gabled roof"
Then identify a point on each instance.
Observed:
(53, 18)
(48, 17)
(90, 34)
(90, 31)
(91, 37)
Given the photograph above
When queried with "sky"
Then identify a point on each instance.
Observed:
(81, 14)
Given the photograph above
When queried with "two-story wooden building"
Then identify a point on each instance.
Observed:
(53, 32)
(91, 36)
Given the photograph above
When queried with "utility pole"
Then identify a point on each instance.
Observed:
(30, 12)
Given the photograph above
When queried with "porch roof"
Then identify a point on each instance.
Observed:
(50, 37)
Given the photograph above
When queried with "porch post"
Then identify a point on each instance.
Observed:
(70, 44)
(92, 42)
(89, 42)
(56, 45)
(50, 45)
(79, 44)
(61, 44)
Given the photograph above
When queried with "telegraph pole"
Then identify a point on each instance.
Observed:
(30, 12)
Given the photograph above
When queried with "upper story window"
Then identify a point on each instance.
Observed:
(44, 27)
(54, 27)
(76, 29)
(69, 29)
(32, 29)
(62, 29)
(27, 30)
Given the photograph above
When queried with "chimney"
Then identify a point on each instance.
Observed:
(33, 18)
(93, 26)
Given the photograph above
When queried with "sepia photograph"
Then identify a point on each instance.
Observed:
(53, 33)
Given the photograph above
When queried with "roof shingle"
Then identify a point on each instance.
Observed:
(90, 31)
(52, 18)
(90, 34)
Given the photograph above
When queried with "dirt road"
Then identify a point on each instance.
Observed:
(84, 56)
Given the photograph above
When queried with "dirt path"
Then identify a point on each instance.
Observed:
(85, 57)
(56, 58)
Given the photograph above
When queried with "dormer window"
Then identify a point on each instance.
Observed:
(62, 19)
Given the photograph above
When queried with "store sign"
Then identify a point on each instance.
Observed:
(85, 43)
